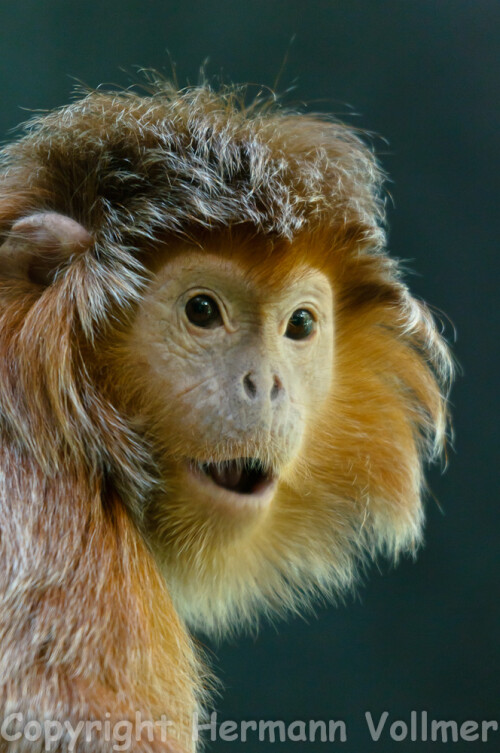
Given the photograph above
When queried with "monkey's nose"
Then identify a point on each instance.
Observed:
(252, 391)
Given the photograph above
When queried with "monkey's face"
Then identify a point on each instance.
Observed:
(233, 366)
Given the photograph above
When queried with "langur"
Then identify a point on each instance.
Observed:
(217, 395)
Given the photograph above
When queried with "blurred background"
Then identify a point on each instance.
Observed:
(424, 75)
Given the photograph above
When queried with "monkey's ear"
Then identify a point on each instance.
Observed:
(38, 244)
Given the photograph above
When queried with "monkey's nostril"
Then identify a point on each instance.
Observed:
(276, 388)
(249, 386)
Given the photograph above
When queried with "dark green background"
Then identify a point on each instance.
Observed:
(425, 75)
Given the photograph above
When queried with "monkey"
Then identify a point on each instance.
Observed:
(217, 396)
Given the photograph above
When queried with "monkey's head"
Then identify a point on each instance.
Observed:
(198, 309)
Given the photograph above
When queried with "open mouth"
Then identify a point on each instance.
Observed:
(236, 481)
(241, 475)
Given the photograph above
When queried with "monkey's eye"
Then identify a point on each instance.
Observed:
(300, 325)
(203, 312)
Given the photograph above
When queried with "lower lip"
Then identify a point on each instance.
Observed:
(211, 492)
